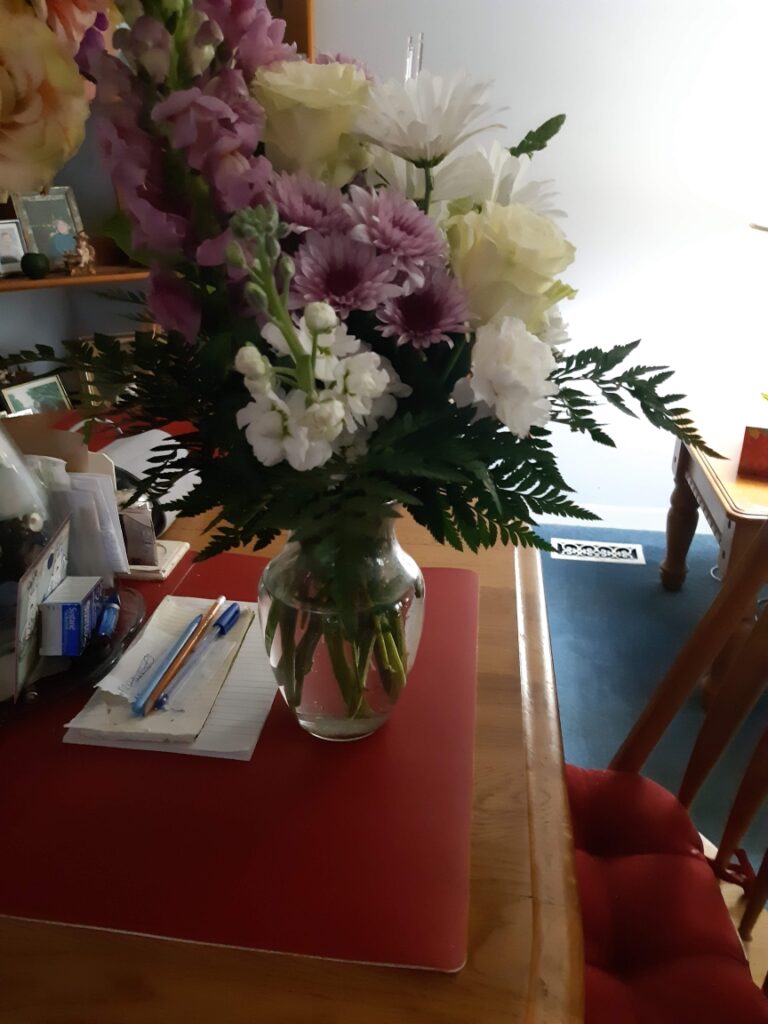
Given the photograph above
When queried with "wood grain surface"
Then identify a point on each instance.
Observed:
(525, 959)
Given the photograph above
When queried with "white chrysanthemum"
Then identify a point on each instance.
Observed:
(492, 175)
(331, 346)
(426, 117)
(387, 169)
(510, 376)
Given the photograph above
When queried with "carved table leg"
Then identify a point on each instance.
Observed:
(734, 544)
(681, 525)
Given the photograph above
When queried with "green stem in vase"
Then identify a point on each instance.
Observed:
(305, 653)
(286, 666)
(334, 641)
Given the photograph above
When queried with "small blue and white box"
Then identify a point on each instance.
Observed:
(68, 616)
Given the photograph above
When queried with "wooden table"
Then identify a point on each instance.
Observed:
(735, 508)
(525, 959)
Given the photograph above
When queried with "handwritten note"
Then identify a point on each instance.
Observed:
(108, 713)
(233, 727)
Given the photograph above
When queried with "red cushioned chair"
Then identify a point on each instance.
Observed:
(659, 944)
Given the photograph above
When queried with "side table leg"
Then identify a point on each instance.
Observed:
(681, 525)
(736, 546)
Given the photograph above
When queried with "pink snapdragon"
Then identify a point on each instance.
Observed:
(173, 303)
(218, 129)
(255, 37)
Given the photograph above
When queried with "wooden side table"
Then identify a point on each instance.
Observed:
(734, 507)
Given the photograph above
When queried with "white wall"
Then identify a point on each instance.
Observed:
(662, 164)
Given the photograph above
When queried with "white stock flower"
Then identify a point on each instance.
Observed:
(324, 418)
(264, 423)
(331, 346)
(320, 317)
(492, 175)
(277, 429)
(510, 376)
(427, 117)
(359, 381)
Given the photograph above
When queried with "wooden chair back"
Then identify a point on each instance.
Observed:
(741, 686)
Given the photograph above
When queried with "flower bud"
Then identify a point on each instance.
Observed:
(201, 37)
(288, 268)
(234, 256)
(320, 317)
(255, 295)
(251, 363)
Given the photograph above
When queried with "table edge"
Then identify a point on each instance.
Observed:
(556, 979)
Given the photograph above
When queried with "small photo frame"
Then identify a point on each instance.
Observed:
(44, 394)
(11, 247)
(50, 222)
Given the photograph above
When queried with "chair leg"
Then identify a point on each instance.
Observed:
(749, 797)
(758, 894)
(729, 707)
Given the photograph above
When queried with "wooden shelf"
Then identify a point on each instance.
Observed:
(103, 275)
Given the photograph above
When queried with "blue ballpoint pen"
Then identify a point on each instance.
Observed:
(220, 628)
(137, 707)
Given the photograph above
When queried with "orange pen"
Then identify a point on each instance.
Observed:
(178, 662)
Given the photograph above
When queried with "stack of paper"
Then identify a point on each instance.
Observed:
(220, 710)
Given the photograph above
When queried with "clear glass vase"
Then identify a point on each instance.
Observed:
(341, 639)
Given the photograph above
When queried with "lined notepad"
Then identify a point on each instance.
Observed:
(233, 727)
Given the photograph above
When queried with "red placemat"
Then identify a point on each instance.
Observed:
(354, 851)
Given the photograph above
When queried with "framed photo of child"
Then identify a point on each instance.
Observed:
(11, 247)
(50, 222)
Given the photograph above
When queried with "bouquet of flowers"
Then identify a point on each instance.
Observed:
(360, 311)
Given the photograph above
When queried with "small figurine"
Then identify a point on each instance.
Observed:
(82, 260)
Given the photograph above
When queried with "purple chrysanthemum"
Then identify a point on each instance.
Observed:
(395, 225)
(348, 274)
(308, 205)
(428, 315)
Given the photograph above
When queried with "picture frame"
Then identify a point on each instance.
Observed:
(43, 394)
(50, 222)
(12, 247)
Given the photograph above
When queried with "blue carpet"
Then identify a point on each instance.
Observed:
(615, 631)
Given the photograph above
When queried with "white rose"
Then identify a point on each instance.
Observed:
(311, 110)
(506, 258)
(510, 376)
(320, 317)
